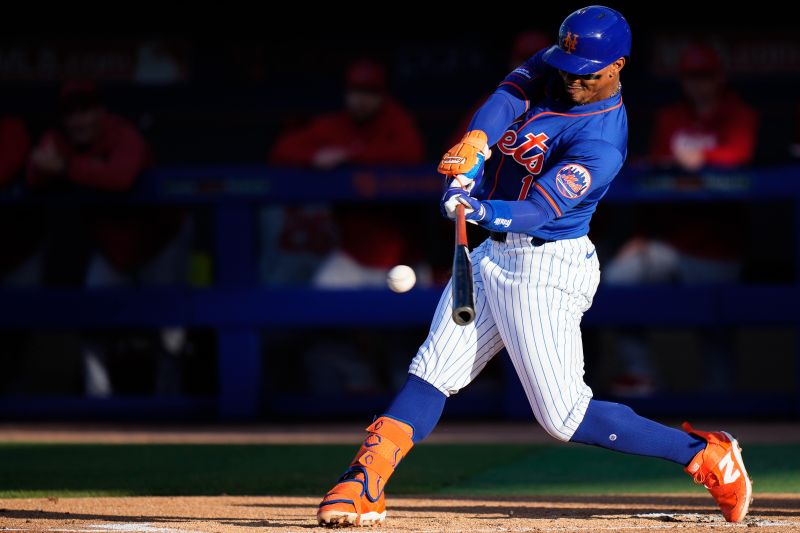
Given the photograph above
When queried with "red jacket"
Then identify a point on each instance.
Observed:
(728, 137)
(391, 138)
(111, 164)
(368, 234)
(14, 146)
(127, 235)
(728, 134)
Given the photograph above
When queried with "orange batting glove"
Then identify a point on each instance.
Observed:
(467, 157)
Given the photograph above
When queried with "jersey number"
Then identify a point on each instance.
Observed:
(527, 181)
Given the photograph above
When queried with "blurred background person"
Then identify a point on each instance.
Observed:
(372, 130)
(93, 149)
(710, 128)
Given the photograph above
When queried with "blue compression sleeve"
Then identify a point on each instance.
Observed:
(494, 116)
(418, 404)
(617, 427)
(521, 216)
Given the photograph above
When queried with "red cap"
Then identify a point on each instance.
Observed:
(528, 43)
(700, 59)
(366, 74)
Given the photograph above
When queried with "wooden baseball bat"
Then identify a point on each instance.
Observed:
(463, 301)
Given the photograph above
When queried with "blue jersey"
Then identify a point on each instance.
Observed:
(557, 154)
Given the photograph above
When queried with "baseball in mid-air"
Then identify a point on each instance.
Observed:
(401, 278)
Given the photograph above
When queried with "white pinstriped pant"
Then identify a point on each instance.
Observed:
(529, 299)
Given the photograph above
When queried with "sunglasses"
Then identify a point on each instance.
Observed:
(587, 77)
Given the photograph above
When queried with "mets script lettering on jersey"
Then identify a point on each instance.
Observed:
(532, 162)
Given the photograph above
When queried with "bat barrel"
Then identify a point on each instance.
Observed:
(463, 300)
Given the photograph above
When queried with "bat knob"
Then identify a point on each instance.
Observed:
(463, 315)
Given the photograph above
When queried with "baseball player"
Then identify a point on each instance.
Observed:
(559, 131)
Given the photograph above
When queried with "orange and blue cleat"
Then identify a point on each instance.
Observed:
(357, 498)
(350, 502)
(719, 467)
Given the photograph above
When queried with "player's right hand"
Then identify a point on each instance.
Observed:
(474, 210)
(466, 158)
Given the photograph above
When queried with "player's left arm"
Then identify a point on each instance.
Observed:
(589, 166)
(511, 99)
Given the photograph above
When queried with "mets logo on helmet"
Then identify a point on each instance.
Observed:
(573, 180)
(570, 42)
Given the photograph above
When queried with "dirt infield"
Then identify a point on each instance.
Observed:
(772, 512)
(632, 512)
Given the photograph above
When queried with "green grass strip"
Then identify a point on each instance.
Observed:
(39, 470)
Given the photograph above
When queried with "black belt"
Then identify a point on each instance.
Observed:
(500, 236)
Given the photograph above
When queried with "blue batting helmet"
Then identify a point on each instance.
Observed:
(590, 39)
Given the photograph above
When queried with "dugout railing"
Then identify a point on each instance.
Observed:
(238, 308)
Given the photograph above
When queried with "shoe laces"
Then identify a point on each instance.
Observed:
(706, 478)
